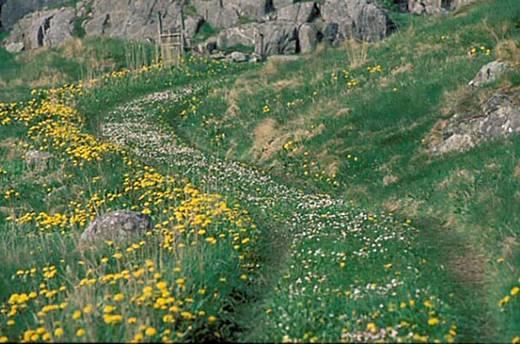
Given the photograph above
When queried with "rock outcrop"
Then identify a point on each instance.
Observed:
(435, 6)
(48, 28)
(499, 117)
(135, 20)
(13, 10)
(271, 26)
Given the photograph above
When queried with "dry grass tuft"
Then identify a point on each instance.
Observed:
(357, 52)
(508, 51)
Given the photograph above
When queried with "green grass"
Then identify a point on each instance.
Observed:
(76, 60)
(374, 130)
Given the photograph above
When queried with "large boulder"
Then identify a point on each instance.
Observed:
(239, 35)
(268, 38)
(308, 38)
(48, 28)
(117, 225)
(277, 4)
(13, 10)
(300, 13)
(361, 19)
(249, 9)
(137, 19)
(216, 14)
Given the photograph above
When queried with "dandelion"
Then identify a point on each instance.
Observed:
(80, 332)
(433, 321)
(150, 332)
(371, 327)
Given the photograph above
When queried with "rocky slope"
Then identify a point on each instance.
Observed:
(270, 26)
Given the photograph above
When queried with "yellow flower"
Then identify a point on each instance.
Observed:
(168, 318)
(76, 315)
(372, 327)
(132, 320)
(109, 309)
(4, 339)
(58, 332)
(150, 332)
(119, 297)
(515, 291)
(212, 319)
(80, 332)
(117, 255)
(88, 309)
(504, 301)
(433, 321)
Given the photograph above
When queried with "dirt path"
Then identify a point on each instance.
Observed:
(138, 127)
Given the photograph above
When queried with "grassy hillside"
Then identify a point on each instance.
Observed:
(292, 201)
(77, 60)
(352, 121)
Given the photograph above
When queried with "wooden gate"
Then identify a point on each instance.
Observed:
(170, 44)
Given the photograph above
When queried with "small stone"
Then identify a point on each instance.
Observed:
(37, 160)
(117, 225)
(237, 56)
(489, 73)
(15, 47)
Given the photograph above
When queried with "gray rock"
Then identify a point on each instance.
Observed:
(278, 38)
(13, 10)
(435, 6)
(308, 38)
(49, 28)
(37, 160)
(250, 9)
(192, 25)
(15, 47)
(277, 4)
(356, 18)
(237, 56)
(239, 35)
(255, 58)
(456, 142)
(499, 118)
(300, 13)
(502, 117)
(134, 19)
(218, 16)
(489, 73)
(117, 225)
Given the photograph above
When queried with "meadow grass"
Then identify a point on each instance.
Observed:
(375, 113)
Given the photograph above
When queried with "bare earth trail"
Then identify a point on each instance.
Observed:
(138, 126)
